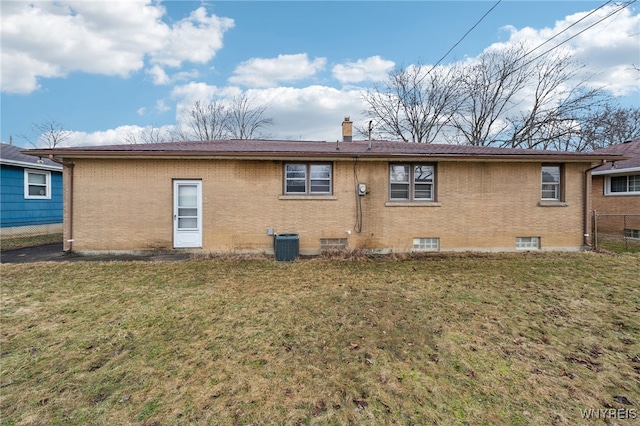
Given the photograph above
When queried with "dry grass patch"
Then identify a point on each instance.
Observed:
(468, 339)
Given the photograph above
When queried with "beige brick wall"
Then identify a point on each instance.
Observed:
(612, 204)
(127, 205)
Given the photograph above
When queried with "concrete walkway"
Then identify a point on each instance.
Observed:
(54, 253)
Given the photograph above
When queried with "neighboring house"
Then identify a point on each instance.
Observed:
(615, 190)
(231, 196)
(30, 194)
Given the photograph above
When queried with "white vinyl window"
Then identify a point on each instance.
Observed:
(623, 185)
(528, 243)
(307, 179)
(37, 184)
(411, 182)
(426, 244)
(551, 185)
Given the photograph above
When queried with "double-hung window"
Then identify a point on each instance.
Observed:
(412, 182)
(37, 184)
(307, 179)
(626, 184)
(551, 182)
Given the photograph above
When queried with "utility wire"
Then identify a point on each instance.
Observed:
(624, 6)
(566, 29)
(460, 41)
(467, 33)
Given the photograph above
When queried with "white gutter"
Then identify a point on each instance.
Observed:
(616, 171)
(31, 165)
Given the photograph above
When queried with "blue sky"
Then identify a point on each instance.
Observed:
(108, 69)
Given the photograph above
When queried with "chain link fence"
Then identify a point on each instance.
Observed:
(15, 237)
(616, 232)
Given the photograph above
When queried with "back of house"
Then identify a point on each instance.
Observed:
(238, 196)
(616, 193)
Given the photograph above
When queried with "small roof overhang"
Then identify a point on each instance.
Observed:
(28, 165)
(617, 171)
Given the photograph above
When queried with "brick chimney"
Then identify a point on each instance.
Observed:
(347, 130)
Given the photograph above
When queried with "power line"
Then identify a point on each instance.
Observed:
(467, 33)
(569, 27)
(624, 6)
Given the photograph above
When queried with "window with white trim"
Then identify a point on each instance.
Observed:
(632, 233)
(37, 184)
(412, 182)
(528, 243)
(623, 185)
(426, 244)
(307, 179)
(551, 182)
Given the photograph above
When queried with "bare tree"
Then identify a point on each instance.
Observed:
(148, 134)
(208, 121)
(241, 119)
(504, 98)
(246, 120)
(490, 91)
(555, 110)
(414, 104)
(607, 126)
(48, 133)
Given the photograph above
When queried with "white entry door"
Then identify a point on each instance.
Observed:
(187, 213)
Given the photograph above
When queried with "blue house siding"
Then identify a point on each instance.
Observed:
(15, 210)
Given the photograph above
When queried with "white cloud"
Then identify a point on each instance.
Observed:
(158, 75)
(373, 68)
(313, 112)
(140, 111)
(609, 49)
(187, 95)
(20, 72)
(161, 106)
(195, 39)
(262, 72)
(309, 113)
(102, 137)
(51, 39)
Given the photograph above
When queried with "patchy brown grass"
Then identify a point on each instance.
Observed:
(447, 339)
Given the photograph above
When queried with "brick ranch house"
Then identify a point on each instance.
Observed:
(616, 190)
(232, 196)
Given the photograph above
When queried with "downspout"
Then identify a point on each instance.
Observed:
(68, 243)
(587, 202)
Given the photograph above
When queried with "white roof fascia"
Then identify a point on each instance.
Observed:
(31, 165)
(617, 171)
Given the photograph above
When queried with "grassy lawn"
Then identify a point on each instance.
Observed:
(509, 339)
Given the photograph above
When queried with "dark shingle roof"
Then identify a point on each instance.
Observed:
(12, 155)
(630, 149)
(268, 149)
